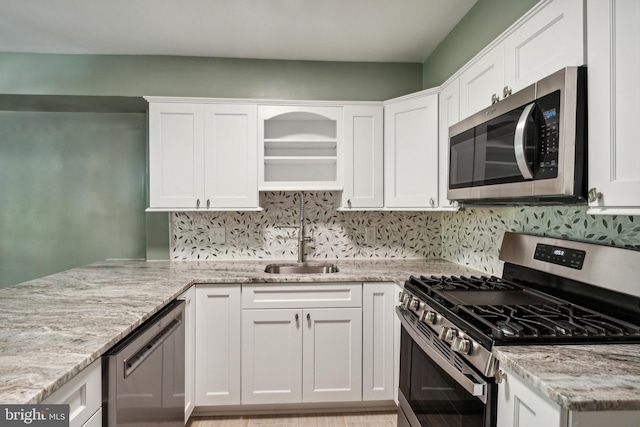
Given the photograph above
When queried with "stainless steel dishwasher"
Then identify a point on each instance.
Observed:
(143, 375)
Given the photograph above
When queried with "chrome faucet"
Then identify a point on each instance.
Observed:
(302, 239)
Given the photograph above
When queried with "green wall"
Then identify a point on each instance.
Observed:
(73, 184)
(486, 20)
(73, 191)
(210, 77)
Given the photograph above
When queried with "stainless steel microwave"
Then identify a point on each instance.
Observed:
(529, 148)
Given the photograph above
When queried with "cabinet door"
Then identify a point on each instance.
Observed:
(614, 90)
(519, 405)
(551, 38)
(271, 356)
(363, 138)
(332, 355)
(189, 298)
(83, 394)
(482, 79)
(449, 108)
(231, 156)
(411, 153)
(377, 341)
(176, 163)
(217, 345)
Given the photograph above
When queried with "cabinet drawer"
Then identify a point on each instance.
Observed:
(301, 295)
(83, 394)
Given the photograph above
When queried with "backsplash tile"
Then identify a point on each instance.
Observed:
(469, 237)
(473, 236)
(336, 234)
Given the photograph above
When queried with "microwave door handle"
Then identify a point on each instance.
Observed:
(519, 142)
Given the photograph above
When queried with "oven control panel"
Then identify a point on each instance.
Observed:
(567, 257)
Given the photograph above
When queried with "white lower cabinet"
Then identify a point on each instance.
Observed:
(332, 355)
(217, 347)
(521, 406)
(308, 354)
(83, 394)
(189, 298)
(378, 318)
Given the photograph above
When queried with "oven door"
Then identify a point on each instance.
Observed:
(434, 391)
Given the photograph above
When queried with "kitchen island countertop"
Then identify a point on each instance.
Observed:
(53, 327)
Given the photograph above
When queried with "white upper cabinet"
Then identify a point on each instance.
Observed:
(548, 38)
(411, 152)
(231, 156)
(363, 157)
(482, 81)
(545, 41)
(202, 156)
(300, 147)
(614, 90)
(176, 161)
(449, 107)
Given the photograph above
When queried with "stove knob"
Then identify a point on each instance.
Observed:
(447, 334)
(461, 345)
(415, 303)
(430, 317)
(400, 295)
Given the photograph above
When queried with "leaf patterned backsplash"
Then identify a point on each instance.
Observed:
(335, 234)
(470, 237)
(473, 236)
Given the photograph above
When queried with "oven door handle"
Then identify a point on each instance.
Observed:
(477, 389)
(519, 143)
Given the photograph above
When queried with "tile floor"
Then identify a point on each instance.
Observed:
(364, 419)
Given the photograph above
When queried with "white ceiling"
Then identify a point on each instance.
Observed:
(326, 30)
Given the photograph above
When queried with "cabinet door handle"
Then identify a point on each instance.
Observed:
(501, 376)
(432, 202)
(349, 203)
(506, 91)
(208, 203)
(297, 317)
(198, 203)
(494, 98)
(309, 317)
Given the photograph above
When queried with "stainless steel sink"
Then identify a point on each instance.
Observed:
(301, 268)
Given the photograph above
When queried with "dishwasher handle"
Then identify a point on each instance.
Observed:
(136, 359)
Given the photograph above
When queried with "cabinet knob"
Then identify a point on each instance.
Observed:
(594, 195)
(349, 202)
(309, 317)
(297, 317)
(506, 91)
(208, 203)
(198, 203)
(494, 98)
(432, 202)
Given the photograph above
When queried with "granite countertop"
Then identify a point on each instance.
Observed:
(53, 327)
(579, 377)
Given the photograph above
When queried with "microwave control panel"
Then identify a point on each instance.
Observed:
(548, 136)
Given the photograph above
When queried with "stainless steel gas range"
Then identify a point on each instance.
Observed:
(552, 291)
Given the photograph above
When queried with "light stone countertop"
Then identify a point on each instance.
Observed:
(53, 327)
(601, 377)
